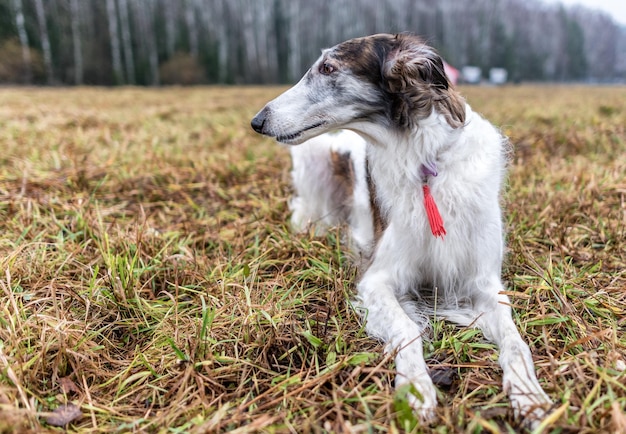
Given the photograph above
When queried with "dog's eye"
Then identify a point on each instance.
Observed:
(326, 68)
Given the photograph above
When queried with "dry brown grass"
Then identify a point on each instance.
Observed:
(148, 277)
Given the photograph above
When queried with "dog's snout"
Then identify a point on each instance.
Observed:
(259, 121)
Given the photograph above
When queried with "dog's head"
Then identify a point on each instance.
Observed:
(389, 80)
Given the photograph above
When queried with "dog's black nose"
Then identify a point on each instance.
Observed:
(258, 121)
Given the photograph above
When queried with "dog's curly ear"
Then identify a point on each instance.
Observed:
(414, 74)
(411, 60)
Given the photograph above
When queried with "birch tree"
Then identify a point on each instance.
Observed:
(295, 53)
(23, 36)
(76, 40)
(171, 15)
(192, 28)
(115, 42)
(144, 12)
(266, 23)
(224, 44)
(249, 38)
(45, 40)
(152, 46)
(127, 43)
(281, 31)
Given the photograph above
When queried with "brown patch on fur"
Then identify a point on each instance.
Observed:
(380, 224)
(344, 178)
(362, 56)
(409, 72)
(343, 171)
(453, 108)
(414, 72)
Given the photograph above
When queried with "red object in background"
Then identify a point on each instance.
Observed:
(452, 73)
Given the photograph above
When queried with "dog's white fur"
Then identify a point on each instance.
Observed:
(409, 273)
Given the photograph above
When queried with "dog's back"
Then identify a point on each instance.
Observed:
(330, 187)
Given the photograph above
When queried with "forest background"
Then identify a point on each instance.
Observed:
(160, 42)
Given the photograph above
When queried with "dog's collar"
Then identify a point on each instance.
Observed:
(429, 169)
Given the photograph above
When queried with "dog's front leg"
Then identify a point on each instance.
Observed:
(518, 372)
(387, 320)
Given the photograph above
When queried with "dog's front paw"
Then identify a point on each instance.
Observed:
(531, 406)
(420, 394)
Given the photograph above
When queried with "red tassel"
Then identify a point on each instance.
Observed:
(434, 218)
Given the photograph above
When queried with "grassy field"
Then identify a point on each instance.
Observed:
(149, 281)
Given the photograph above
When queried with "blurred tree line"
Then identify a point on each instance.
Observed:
(152, 42)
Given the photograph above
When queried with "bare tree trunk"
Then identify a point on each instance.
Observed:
(265, 38)
(295, 53)
(171, 14)
(152, 46)
(127, 42)
(115, 42)
(45, 40)
(144, 12)
(21, 31)
(221, 12)
(251, 49)
(192, 27)
(78, 52)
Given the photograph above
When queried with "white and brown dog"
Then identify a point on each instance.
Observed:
(418, 185)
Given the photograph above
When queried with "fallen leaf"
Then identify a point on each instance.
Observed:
(64, 414)
(443, 377)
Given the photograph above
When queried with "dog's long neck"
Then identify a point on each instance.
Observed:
(401, 162)
(430, 142)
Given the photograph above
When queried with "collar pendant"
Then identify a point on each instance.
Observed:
(432, 212)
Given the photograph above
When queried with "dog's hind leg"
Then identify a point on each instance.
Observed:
(323, 178)
(518, 373)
